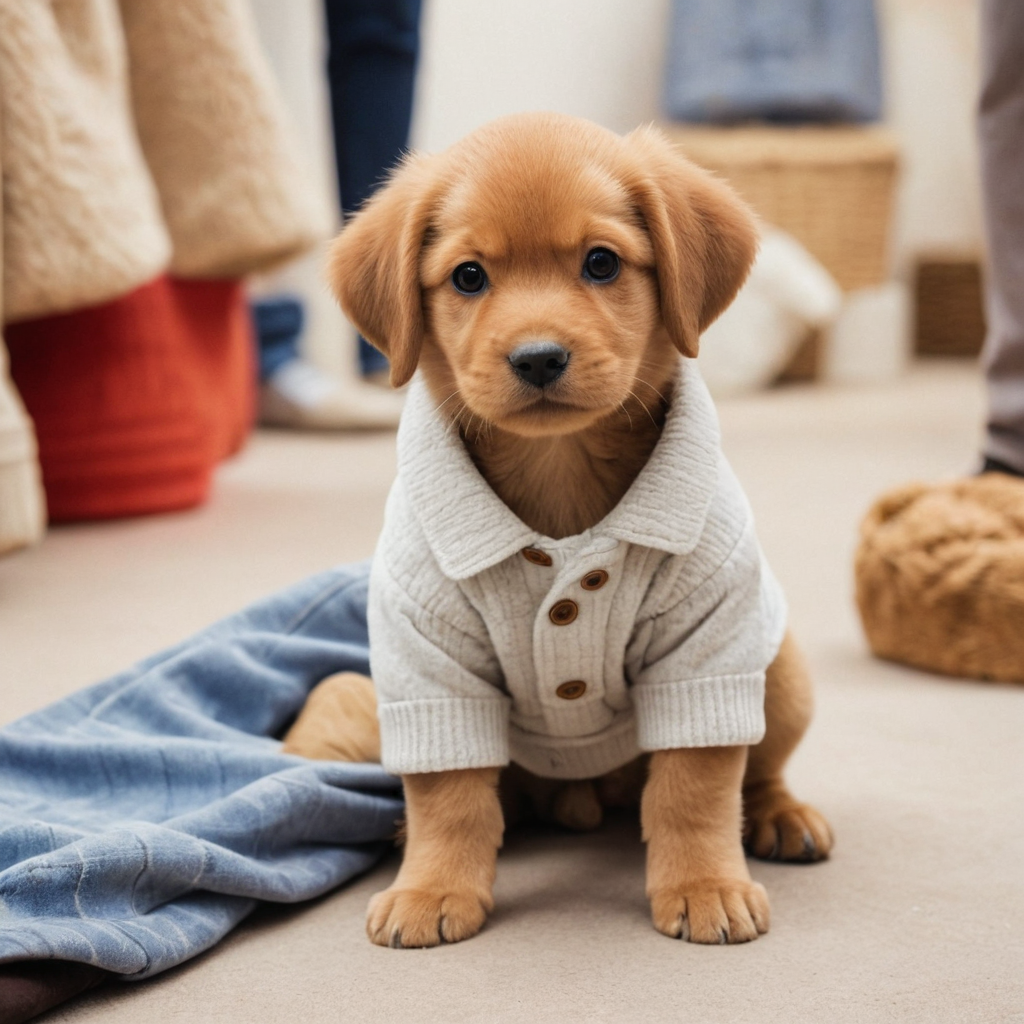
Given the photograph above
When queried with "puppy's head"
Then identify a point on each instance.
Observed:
(543, 269)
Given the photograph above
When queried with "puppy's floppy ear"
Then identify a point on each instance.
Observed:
(373, 265)
(704, 235)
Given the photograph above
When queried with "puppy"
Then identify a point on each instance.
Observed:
(568, 577)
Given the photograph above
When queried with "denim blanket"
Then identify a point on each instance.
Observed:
(141, 819)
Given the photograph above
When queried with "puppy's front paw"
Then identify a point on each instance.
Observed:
(712, 912)
(414, 918)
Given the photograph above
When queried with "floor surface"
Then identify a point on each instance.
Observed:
(918, 917)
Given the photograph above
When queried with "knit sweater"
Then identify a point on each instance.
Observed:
(490, 642)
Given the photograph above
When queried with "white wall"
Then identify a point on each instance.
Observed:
(600, 59)
(932, 83)
(292, 34)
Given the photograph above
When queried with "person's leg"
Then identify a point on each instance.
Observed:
(1001, 133)
(296, 393)
(374, 45)
(278, 325)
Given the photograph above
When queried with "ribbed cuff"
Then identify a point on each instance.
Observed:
(443, 735)
(722, 711)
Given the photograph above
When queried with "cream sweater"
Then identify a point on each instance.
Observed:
(490, 642)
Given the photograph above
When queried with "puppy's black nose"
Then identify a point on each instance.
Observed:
(539, 362)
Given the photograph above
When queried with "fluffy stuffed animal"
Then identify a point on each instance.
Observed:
(940, 577)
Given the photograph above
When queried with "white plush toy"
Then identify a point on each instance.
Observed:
(788, 294)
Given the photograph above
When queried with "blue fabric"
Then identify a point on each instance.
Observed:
(142, 818)
(780, 60)
(371, 70)
(278, 325)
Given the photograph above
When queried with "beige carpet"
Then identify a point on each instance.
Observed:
(918, 917)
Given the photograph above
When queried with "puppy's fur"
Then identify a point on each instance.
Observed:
(528, 197)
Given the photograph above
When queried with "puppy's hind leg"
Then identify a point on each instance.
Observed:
(776, 825)
(338, 722)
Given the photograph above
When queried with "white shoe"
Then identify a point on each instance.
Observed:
(301, 396)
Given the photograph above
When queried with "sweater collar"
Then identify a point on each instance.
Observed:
(469, 528)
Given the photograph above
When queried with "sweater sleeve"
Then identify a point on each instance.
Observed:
(439, 686)
(702, 679)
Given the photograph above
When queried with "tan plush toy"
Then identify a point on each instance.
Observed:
(940, 577)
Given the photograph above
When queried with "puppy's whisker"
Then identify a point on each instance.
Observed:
(483, 429)
(457, 424)
(622, 406)
(648, 384)
(471, 426)
(448, 399)
(654, 422)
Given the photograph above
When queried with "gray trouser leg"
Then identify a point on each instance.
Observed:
(1001, 133)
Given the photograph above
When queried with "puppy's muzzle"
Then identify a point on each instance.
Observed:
(539, 362)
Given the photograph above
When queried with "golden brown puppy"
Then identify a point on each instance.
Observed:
(546, 276)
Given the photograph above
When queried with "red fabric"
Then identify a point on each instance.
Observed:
(135, 401)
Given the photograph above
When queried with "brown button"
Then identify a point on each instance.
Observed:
(571, 690)
(564, 612)
(536, 556)
(594, 580)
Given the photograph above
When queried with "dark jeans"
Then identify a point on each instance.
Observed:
(278, 324)
(371, 68)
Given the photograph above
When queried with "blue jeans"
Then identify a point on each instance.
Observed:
(142, 818)
(371, 68)
(278, 325)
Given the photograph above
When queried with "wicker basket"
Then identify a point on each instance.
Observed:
(832, 188)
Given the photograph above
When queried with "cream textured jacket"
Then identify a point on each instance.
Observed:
(490, 642)
(141, 136)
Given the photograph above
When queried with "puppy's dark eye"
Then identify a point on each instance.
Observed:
(469, 278)
(601, 265)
